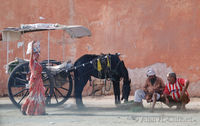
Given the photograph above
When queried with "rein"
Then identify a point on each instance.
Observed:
(94, 62)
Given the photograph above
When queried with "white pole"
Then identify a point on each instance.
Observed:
(63, 44)
(23, 46)
(48, 45)
(23, 51)
(7, 47)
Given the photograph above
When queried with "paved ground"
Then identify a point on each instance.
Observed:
(101, 111)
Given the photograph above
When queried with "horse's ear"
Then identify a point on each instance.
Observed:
(117, 54)
(122, 62)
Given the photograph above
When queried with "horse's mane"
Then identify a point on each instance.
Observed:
(86, 58)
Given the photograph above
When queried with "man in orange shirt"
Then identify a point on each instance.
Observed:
(151, 91)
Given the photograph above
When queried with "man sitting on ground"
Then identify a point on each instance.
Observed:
(152, 90)
(175, 92)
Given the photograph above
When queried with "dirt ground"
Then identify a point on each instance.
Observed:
(101, 111)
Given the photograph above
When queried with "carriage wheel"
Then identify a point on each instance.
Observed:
(61, 91)
(18, 88)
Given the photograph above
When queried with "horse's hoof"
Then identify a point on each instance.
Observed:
(151, 110)
(81, 106)
(117, 103)
(125, 101)
(128, 102)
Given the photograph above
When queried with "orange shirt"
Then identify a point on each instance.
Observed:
(158, 86)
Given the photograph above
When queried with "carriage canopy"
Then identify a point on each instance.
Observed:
(14, 33)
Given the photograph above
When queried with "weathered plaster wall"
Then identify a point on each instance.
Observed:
(163, 34)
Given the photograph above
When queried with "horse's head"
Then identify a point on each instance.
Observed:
(126, 89)
(126, 81)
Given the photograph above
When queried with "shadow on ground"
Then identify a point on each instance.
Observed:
(114, 111)
(7, 106)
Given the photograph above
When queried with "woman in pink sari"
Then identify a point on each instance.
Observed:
(35, 102)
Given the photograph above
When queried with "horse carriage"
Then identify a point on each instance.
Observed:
(58, 77)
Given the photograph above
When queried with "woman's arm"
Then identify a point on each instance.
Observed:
(31, 56)
(31, 62)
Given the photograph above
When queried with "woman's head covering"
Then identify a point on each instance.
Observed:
(36, 47)
(150, 72)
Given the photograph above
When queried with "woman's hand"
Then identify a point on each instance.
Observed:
(33, 42)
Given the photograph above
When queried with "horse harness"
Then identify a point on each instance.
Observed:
(103, 65)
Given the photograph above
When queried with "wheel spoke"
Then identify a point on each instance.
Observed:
(44, 79)
(59, 92)
(55, 96)
(46, 91)
(23, 97)
(64, 88)
(46, 85)
(19, 80)
(19, 92)
(17, 86)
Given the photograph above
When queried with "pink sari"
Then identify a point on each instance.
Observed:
(35, 102)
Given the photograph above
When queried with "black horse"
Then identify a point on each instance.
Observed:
(111, 67)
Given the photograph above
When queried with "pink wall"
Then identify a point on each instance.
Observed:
(163, 34)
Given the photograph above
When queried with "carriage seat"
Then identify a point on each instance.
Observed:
(20, 60)
(58, 68)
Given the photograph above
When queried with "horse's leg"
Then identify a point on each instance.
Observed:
(79, 85)
(116, 89)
